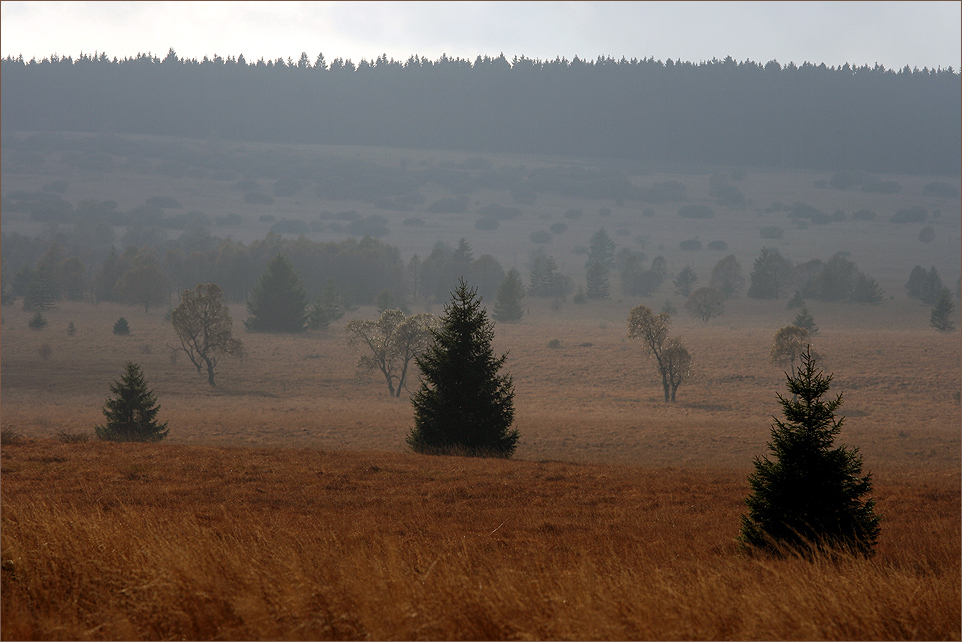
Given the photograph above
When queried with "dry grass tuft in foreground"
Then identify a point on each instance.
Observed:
(157, 541)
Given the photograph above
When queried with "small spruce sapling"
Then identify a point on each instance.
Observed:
(132, 413)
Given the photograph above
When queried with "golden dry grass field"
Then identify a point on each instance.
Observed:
(284, 506)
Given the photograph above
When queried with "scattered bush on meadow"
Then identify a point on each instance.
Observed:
(876, 186)
(705, 304)
(254, 198)
(927, 234)
(121, 327)
(914, 214)
(164, 202)
(37, 321)
(690, 245)
(942, 190)
(487, 223)
(542, 237)
(45, 352)
(696, 211)
(772, 232)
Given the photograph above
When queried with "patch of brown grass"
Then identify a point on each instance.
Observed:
(156, 541)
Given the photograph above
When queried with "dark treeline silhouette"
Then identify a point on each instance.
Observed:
(719, 111)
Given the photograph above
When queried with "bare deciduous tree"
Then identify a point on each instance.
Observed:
(673, 359)
(705, 303)
(205, 328)
(790, 342)
(392, 341)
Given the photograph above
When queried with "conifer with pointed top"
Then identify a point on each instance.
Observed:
(131, 414)
(811, 496)
(464, 405)
(278, 302)
(507, 302)
(806, 321)
(942, 312)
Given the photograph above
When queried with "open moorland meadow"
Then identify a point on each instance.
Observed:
(285, 504)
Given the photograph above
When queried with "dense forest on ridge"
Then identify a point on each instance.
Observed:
(719, 111)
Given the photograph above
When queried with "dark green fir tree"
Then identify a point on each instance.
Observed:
(278, 302)
(464, 405)
(811, 496)
(805, 321)
(507, 302)
(132, 412)
(942, 312)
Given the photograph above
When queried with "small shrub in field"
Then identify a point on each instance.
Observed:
(45, 352)
(554, 344)
(772, 232)
(10, 437)
(691, 245)
(696, 211)
(121, 327)
(146, 349)
(486, 223)
(73, 437)
(541, 236)
(927, 235)
(37, 321)
(71, 329)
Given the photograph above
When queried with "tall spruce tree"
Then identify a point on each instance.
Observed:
(942, 312)
(464, 406)
(811, 496)
(507, 302)
(278, 302)
(132, 413)
(596, 280)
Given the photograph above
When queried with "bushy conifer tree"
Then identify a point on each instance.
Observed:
(464, 406)
(121, 327)
(806, 321)
(132, 413)
(278, 302)
(507, 302)
(942, 312)
(811, 496)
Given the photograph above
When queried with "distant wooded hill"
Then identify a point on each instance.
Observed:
(721, 112)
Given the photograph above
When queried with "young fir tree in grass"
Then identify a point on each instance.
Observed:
(278, 302)
(806, 321)
(942, 312)
(132, 413)
(811, 496)
(507, 302)
(464, 406)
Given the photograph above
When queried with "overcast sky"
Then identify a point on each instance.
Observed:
(894, 34)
